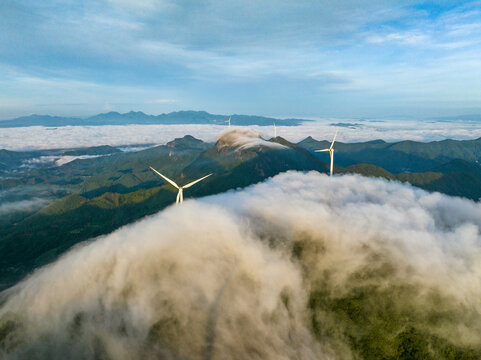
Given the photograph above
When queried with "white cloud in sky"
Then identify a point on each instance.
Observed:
(108, 107)
(164, 101)
(331, 58)
(407, 38)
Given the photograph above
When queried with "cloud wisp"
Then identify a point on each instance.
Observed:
(57, 160)
(25, 199)
(22, 205)
(254, 274)
(244, 138)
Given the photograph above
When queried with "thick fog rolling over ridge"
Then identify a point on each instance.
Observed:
(301, 266)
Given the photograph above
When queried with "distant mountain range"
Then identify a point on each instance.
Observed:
(94, 196)
(138, 117)
(466, 117)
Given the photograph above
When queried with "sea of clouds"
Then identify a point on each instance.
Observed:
(38, 137)
(216, 278)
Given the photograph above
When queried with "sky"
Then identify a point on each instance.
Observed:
(390, 59)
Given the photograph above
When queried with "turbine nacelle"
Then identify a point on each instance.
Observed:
(180, 193)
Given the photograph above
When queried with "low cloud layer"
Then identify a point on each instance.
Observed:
(261, 274)
(26, 199)
(22, 205)
(37, 137)
(57, 160)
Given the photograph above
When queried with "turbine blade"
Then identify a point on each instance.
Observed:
(332, 144)
(322, 150)
(165, 178)
(195, 182)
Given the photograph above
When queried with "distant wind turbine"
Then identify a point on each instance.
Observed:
(228, 121)
(331, 152)
(275, 130)
(180, 195)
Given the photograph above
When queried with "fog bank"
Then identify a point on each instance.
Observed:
(302, 266)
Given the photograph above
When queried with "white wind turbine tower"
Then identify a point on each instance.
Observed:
(228, 121)
(275, 130)
(331, 152)
(180, 195)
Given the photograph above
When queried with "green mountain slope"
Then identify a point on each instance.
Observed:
(404, 156)
(13, 159)
(112, 191)
(95, 150)
(456, 178)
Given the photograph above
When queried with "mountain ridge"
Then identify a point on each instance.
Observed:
(141, 118)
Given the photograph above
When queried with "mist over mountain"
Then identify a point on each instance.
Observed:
(57, 201)
(301, 266)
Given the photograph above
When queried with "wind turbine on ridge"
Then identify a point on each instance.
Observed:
(331, 152)
(228, 121)
(180, 194)
(275, 130)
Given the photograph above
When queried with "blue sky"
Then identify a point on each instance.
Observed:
(273, 57)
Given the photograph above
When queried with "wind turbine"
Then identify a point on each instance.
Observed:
(228, 121)
(331, 152)
(180, 195)
(275, 130)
